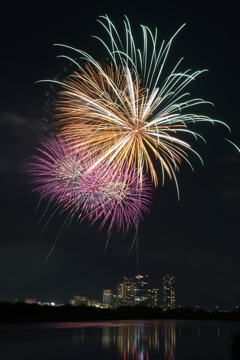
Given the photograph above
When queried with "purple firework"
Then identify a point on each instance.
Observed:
(116, 197)
(110, 194)
(56, 172)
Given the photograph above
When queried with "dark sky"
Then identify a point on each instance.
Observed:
(195, 239)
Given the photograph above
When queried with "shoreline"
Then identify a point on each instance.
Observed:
(25, 313)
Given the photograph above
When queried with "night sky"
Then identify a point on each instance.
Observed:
(195, 239)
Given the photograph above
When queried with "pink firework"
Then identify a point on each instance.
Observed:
(56, 172)
(114, 196)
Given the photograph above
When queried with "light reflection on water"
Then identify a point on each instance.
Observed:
(118, 340)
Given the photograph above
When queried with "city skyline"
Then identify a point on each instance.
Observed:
(196, 238)
(132, 291)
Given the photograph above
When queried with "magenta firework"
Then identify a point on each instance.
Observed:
(55, 171)
(115, 197)
(109, 194)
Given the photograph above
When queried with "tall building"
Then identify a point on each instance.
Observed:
(168, 292)
(153, 297)
(134, 291)
(109, 298)
(125, 292)
(140, 290)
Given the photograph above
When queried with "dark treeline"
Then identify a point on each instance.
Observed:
(21, 312)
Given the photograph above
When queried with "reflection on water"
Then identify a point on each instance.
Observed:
(118, 340)
(170, 341)
(149, 340)
(78, 335)
(136, 340)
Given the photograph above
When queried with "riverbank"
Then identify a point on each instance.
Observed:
(21, 312)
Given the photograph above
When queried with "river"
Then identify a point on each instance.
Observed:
(118, 340)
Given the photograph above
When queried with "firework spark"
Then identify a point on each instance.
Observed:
(55, 171)
(113, 196)
(116, 197)
(120, 113)
(117, 120)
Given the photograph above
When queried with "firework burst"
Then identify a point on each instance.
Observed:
(56, 172)
(120, 113)
(117, 197)
(113, 196)
(116, 121)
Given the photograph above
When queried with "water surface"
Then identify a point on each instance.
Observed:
(118, 340)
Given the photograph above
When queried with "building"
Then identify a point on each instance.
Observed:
(30, 301)
(125, 292)
(134, 291)
(79, 300)
(140, 290)
(93, 303)
(153, 297)
(109, 298)
(168, 292)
